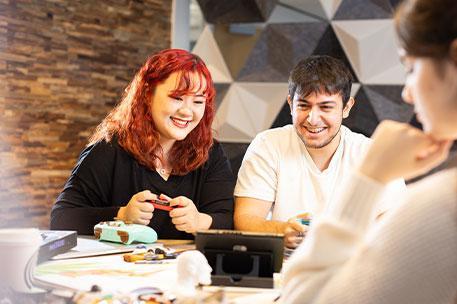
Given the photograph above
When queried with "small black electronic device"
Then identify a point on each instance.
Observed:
(55, 242)
(241, 258)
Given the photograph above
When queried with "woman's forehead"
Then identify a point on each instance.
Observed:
(190, 82)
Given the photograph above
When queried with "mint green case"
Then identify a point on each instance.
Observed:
(119, 232)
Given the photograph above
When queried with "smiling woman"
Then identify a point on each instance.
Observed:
(176, 114)
(157, 143)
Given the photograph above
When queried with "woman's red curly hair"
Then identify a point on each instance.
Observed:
(131, 121)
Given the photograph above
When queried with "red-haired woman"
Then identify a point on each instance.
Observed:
(156, 142)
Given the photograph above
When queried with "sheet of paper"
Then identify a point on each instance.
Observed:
(91, 247)
(109, 272)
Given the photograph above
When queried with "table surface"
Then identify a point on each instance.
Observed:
(112, 274)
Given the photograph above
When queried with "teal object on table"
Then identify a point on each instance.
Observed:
(120, 232)
(303, 221)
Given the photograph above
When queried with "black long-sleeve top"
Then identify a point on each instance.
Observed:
(106, 177)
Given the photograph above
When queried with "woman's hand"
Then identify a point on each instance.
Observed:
(399, 150)
(138, 211)
(185, 216)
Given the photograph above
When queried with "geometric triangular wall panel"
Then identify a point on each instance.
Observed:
(235, 153)
(387, 103)
(283, 14)
(207, 48)
(324, 9)
(236, 11)
(355, 89)
(251, 62)
(364, 9)
(279, 48)
(232, 122)
(370, 46)
(221, 90)
(362, 118)
(330, 45)
(391, 75)
(330, 7)
(235, 47)
(283, 118)
(247, 109)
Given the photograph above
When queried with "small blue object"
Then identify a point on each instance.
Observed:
(303, 221)
(120, 232)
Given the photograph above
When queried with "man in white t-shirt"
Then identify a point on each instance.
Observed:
(300, 168)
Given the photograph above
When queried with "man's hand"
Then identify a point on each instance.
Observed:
(294, 233)
(138, 211)
(186, 216)
(399, 150)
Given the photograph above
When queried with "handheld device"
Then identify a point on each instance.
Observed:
(304, 218)
(240, 258)
(120, 232)
(160, 204)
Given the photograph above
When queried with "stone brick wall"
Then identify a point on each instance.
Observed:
(63, 65)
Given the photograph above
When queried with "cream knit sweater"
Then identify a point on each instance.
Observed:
(410, 256)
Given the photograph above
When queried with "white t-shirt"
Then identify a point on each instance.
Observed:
(278, 168)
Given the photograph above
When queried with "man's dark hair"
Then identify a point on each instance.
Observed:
(321, 74)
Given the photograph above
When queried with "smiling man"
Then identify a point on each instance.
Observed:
(300, 168)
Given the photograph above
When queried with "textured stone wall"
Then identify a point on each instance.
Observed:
(63, 66)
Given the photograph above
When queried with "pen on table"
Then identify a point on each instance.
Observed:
(151, 262)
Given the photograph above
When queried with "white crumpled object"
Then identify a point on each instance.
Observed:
(192, 270)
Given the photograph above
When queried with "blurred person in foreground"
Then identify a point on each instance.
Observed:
(411, 257)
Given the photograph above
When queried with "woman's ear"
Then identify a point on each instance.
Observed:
(453, 51)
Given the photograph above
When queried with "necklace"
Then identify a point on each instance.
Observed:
(163, 171)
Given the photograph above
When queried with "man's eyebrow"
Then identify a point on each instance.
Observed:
(325, 102)
(302, 100)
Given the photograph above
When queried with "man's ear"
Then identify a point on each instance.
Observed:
(289, 101)
(348, 107)
(453, 51)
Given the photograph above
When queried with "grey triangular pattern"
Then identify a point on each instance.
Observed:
(208, 49)
(372, 61)
(279, 48)
(330, 7)
(311, 7)
(283, 118)
(235, 47)
(235, 153)
(330, 45)
(221, 90)
(362, 118)
(355, 88)
(236, 11)
(387, 103)
(283, 14)
(265, 7)
(385, 5)
(363, 9)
